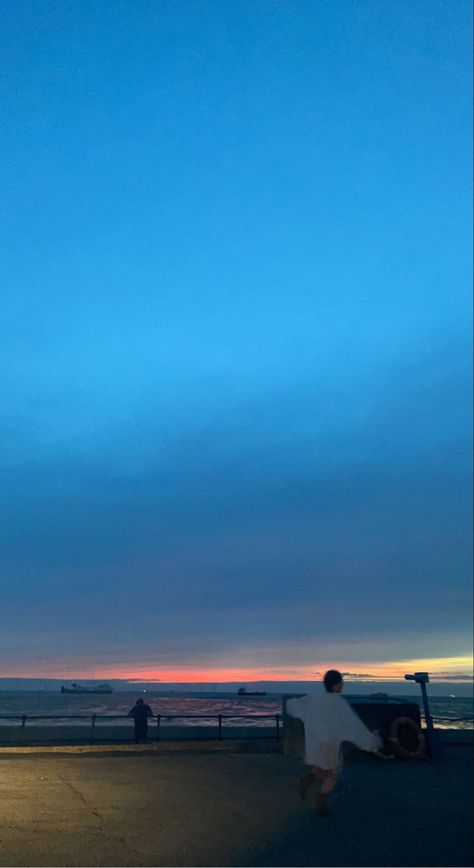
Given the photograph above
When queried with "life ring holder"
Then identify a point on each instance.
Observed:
(403, 753)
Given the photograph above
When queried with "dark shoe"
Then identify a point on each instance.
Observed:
(321, 807)
(304, 784)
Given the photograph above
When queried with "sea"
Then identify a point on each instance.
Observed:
(449, 712)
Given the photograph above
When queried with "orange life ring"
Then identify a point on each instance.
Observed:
(420, 752)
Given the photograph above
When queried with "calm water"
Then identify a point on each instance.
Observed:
(49, 703)
(45, 702)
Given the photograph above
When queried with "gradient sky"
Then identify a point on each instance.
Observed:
(235, 337)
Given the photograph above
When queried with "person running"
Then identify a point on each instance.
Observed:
(328, 721)
(140, 712)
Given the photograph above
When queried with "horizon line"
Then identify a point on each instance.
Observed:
(441, 678)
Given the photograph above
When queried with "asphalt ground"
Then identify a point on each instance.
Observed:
(195, 807)
(102, 734)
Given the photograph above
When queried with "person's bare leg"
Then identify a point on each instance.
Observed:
(305, 783)
(327, 787)
(320, 805)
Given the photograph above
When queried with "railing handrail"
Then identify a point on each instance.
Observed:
(230, 716)
(130, 717)
(25, 717)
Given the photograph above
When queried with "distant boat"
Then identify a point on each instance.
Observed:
(79, 688)
(243, 692)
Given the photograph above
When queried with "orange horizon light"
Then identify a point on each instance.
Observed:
(458, 667)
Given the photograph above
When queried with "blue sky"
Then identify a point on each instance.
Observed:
(235, 336)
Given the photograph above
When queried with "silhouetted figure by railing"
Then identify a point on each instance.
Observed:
(140, 713)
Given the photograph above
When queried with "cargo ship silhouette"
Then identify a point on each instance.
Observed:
(79, 688)
(243, 692)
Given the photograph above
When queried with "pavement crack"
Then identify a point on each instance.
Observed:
(75, 790)
(81, 796)
(131, 849)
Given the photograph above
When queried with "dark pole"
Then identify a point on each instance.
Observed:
(426, 707)
(422, 679)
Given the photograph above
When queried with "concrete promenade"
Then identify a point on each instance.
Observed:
(44, 735)
(190, 806)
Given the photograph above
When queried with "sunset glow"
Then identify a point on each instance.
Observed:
(459, 668)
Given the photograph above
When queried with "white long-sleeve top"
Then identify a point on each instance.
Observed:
(328, 721)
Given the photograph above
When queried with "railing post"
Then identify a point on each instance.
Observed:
(158, 721)
(219, 735)
(93, 727)
(277, 719)
(23, 723)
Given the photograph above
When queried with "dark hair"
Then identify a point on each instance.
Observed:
(139, 701)
(332, 678)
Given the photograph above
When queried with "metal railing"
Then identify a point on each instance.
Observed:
(94, 718)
